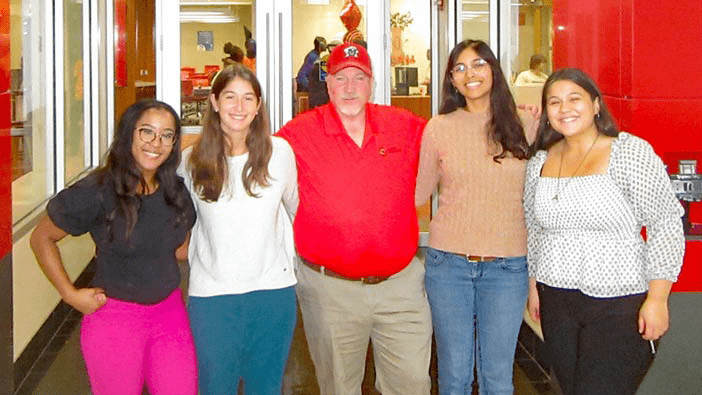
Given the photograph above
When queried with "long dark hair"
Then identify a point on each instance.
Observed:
(505, 127)
(208, 161)
(122, 172)
(546, 135)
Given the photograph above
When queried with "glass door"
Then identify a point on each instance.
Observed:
(197, 39)
(401, 36)
(274, 48)
(318, 26)
(412, 83)
(279, 34)
(525, 34)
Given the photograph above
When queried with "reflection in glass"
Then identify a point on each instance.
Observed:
(229, 37)
(331, 23)
(475, 20)
(30, 175)
(410, 61)
(529, 55)
(74, 128)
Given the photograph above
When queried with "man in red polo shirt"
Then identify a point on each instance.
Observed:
(356, 234)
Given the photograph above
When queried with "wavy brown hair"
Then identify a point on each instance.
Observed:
(505, 127)
(208, 160)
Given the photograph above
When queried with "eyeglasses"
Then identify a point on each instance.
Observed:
(148, 135)
(478, 65)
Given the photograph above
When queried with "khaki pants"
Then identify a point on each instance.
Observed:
(340, 316)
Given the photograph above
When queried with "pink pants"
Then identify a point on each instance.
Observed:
(127, 344)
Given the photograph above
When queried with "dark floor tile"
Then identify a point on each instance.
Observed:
(521, 353)
(533, 371)
(528, 339)
(545, 388)
(60, 369)
(64, 373)
(541, 355)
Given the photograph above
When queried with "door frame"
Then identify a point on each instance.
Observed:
(273, 24)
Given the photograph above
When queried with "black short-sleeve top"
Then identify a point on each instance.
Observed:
(142, 269)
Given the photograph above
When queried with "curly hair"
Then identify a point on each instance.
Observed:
(505, 127)
(121, 172)
(208, 160)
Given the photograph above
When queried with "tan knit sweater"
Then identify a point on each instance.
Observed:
(480, 201)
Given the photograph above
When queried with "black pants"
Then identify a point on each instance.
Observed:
(593, 343)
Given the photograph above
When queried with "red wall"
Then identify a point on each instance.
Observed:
(5, 142)
(647, 59)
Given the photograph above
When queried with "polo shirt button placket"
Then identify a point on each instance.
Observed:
(382, 151)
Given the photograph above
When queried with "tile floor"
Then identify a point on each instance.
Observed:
(60, 369)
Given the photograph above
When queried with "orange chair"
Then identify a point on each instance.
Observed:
(186, 88)
(211, 68)
(186, 72)
(200, 79)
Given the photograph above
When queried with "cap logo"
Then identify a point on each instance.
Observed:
(351, 51)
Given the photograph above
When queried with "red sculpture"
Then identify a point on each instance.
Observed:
(351, 17)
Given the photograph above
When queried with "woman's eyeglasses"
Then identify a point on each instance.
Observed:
(148, 135)
(478, 65)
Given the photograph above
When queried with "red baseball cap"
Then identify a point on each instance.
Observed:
(349, 55)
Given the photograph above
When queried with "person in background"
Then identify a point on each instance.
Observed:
(250, 46)
(244, 184)
(234, 54)
(535, 74)
(250, 58)
(356, 234)
(476, 152)
(139, 214)
(303, 74)
(317, 85)
(598, 288)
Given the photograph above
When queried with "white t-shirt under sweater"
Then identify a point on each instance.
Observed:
(242, 243)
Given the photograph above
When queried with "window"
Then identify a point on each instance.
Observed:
(530, 49)
(32, 162)
(76, 152)
(47, 155)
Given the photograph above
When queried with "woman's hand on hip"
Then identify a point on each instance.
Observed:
(87, 300)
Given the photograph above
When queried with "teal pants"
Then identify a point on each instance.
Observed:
(245, 337)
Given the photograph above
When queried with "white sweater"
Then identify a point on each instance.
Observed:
(241, 243)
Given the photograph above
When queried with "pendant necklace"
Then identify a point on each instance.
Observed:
(560, 166)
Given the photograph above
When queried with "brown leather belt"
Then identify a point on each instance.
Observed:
(476, 258)
(321, 269)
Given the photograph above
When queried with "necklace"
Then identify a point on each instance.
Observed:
(560, 166)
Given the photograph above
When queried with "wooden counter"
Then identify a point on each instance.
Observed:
(419, 105)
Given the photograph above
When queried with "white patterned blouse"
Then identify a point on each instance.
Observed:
(590, 237)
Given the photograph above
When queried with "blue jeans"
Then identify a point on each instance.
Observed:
(245, 336)
(469, 298)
